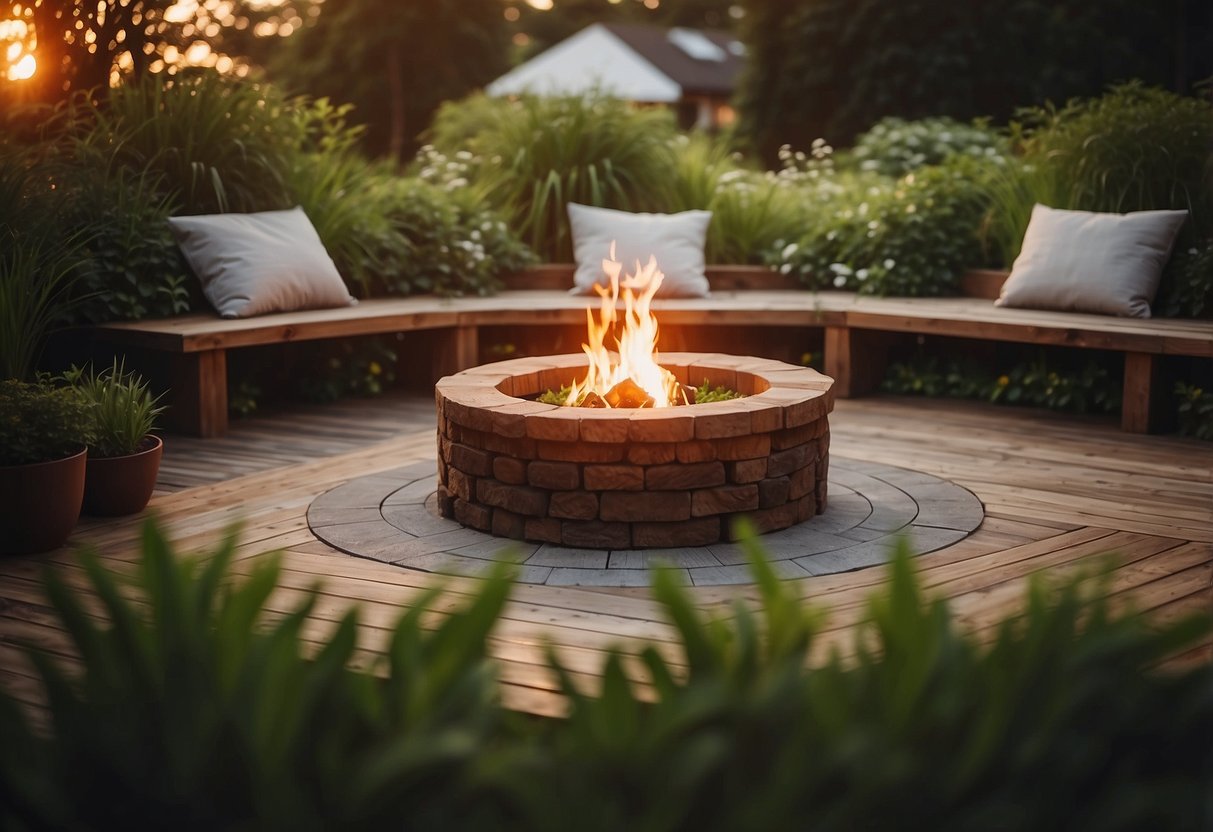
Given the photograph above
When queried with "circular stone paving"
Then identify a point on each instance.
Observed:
(393, 517)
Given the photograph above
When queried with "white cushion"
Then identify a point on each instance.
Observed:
(1079, 261)
(251, 264)
(676, 240)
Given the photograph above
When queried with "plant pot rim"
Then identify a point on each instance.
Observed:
(82, 452)
(157, 443)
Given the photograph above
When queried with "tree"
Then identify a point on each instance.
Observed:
(395, 61)
(80, 46)
(832, 68)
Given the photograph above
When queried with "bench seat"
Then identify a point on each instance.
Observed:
(857, 331)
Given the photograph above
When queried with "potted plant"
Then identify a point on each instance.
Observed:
(124, 457)
(44, 434)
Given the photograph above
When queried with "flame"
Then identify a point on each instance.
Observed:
(636, 355)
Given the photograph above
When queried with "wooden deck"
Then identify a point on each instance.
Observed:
(1059, 491)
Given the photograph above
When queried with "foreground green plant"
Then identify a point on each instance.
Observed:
(205, 706)
(123, 408)
(216, 702)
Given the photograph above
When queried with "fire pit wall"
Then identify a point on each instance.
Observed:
(622, 479)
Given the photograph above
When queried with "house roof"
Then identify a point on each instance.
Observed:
(660, 47)
(636, 62)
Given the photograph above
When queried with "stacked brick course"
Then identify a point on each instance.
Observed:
(621, 479)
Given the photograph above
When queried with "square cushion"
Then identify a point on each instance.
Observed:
(1079, 261)
(251, 264)
(676, 240)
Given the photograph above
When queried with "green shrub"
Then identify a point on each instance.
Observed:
(1195, 411)
(134, 268)
(912, 236)
(40, 260)
(122, 407)
(750, 209)
(351, 367)
(1045, 381)
(1187, 283)
(196, 707)
(200, 709)
(535, 155)
(894, 146)
(41, 423)
(216, 143)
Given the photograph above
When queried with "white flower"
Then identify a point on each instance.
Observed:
(840, 269)
(786, 268)
(789, 250)
(862, 274)
(831, 235)
(889, 263)
(839, 282)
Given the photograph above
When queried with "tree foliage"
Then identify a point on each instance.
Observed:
(832, 68)
(80, 46)
(395, 61)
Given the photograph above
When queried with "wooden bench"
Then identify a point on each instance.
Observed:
(859, 332)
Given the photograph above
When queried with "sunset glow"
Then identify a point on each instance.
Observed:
(23, 69)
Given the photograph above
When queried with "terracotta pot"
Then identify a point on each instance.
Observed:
(40, 504)
(118, 485)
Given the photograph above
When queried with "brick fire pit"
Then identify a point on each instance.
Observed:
(621, 479)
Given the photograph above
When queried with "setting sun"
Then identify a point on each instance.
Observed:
(23, 69)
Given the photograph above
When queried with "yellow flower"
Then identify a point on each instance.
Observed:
(375, 368)
(1003, 381)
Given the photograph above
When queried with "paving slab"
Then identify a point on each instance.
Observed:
(393, 517)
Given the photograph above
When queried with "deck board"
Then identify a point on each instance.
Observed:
(1060, 492)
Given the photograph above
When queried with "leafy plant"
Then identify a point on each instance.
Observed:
(353, 367)
(217, 144)
(742, 733)
(38, 265)
(1039, 382)
(1187, 283)
(1195, 411)
(199, 708)
(538, 154)
(200, 703)
(42, 423)
(133, 267)
(912, 236)
(705, 393)
(750, 209)
(123, 409)
(894, 146)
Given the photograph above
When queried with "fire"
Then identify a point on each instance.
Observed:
(630, 376)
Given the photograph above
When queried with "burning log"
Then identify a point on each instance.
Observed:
(628, 393)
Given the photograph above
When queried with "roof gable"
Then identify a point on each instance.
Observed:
(593, 59)
(696, 76)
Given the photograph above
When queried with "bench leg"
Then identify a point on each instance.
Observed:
(1141, 409)
(456, 349)
(199, 405)
(855, 359)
